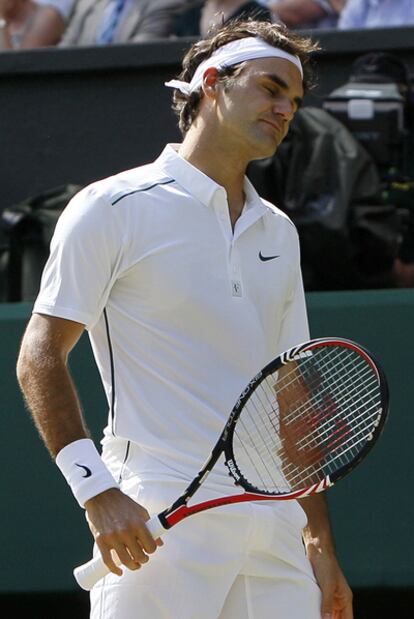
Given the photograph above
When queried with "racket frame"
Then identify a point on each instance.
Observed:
(180, 510)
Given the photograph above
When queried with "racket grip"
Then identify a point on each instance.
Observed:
(88, 574)
(155, 527)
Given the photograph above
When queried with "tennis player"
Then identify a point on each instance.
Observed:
(188, 283)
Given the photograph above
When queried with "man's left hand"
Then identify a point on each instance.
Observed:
(336, 593)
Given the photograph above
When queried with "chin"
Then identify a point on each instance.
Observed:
(262, 145)
(265, 151)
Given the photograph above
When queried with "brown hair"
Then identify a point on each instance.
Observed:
(186, 106)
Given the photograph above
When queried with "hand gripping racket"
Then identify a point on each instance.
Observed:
(301, 424)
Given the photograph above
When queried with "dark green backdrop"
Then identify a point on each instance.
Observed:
(43, 531)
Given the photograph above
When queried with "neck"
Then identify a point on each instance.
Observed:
(219, 161)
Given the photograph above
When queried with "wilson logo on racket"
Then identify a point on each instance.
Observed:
(233, 469)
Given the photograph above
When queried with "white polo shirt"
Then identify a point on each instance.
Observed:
(181, 311)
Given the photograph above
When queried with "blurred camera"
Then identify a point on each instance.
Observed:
(373, 106)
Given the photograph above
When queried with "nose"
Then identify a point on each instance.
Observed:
(285, 108)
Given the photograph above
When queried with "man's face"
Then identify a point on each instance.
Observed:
(255, 110)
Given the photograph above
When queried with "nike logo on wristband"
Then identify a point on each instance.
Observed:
(266, 258)
(86, 469)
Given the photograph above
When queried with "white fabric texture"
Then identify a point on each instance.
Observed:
(181, 312)
(242, 561)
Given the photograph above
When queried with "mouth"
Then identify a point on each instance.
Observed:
(277, 127)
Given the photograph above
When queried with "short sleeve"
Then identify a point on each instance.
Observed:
(86, 257)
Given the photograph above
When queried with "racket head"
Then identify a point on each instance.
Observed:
(307, 419)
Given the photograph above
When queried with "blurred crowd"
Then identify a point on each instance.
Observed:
(41, 23)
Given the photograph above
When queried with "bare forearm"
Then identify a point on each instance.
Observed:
(318, 532)
(320, 549)
(117, 522)
(54, 405)
(48, 387)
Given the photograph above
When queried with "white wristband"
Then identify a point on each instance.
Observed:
(84, 470)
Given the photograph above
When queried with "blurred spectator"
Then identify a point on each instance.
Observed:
(28, 24)
(201, 18)
(376, 14)
(307, 13)
(102, 22)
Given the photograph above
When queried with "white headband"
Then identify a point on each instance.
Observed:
(230, 54)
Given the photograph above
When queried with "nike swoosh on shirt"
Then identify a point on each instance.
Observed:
(266, 258)
(86, 469)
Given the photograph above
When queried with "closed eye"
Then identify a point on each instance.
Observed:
(279, 84)
(271, 91)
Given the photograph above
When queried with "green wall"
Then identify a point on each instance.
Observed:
(373, 509)
(44, 533)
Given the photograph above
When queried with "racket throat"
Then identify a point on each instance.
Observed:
(163, 519)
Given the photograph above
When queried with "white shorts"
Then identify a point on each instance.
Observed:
(244, 561)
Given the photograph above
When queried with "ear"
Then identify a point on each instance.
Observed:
(210, 81)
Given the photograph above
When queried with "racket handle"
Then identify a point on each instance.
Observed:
(155, 527)
(88, 574)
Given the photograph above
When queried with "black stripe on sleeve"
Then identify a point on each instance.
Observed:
(130, 193)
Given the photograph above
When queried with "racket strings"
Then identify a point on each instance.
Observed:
(345, 369)
(323, 418)
(335, 431)
(328, 418)
(279, 462)
(348, 451)
(312, 379)
(332, 388)
(314, 392)
(307, 420)
(263, 456)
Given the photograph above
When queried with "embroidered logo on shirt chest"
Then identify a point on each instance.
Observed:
(236, 288)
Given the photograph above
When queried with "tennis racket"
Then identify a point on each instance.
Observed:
(300, 425)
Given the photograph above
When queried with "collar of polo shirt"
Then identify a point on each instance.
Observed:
(199, 184)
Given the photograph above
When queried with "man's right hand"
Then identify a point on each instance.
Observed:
(118, 524)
